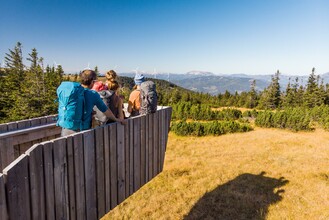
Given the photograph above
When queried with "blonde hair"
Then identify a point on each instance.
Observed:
(111, 75)
(113, 85)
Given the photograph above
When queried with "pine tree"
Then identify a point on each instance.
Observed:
(310, 96)
(271, 96)
(15, 76)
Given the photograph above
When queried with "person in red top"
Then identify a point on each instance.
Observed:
(134, 102)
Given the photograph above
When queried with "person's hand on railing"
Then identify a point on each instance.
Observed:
(122, 121)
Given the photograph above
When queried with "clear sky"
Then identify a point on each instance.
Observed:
(220, 36)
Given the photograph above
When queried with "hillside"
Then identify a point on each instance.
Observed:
(263, 174)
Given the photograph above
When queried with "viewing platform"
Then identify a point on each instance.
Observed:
(81, 176)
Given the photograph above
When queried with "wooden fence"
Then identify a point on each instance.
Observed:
(18, 125)
(85, 175)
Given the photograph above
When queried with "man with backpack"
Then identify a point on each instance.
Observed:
(76, 102)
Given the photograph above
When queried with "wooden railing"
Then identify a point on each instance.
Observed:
(85, 175)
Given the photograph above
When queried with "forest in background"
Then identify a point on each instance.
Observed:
(29, 91)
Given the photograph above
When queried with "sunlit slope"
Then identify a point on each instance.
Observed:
(266, 173)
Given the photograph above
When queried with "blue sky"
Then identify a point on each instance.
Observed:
(220, 36)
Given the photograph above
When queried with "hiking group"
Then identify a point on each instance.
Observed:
(93, 103)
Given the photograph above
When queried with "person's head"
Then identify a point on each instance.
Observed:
(99, 86)
(113, 85)
(88, 77)
(139, 78)
(111, 75)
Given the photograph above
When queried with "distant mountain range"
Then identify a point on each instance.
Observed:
(214, 84)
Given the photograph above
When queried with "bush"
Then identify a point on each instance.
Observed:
(184, 128)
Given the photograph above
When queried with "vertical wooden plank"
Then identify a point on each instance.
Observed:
(90, 174)
(18, 189)
(147, 147)
(43, 120)
(100, 175)
(143, 149)
(107, 169)
(127, 157)
(131, 156)
(161, 140)
(61, 179)
(79, 176)
(71, 176)
(3, 202)
(12, 126)
(35, 122)
(37, 186)
(156, 144)
(137, 153)
(121, 162)
(151, 146)
(113, 164)
(49, 179)
(7, 152)
(3, 128)
(23, 124)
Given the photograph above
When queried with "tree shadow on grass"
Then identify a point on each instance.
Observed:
(248, 196)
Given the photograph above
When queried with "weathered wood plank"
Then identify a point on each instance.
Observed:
(18, 188)
(107, 169)
(49, 179)
(61, 179)
(137, 153)
(161, 139)
(113, 165)
(37, 178)
(151, 146)
(156, 144)
(12, 126)
(79, 176)
(131, 156)
(23, 124)
(3, 202)
(90, 174)
(143, 149)
(35, 122)
(7, 152)
(71, 176)
(127, 161)
(3, 128)
(147, 148)
(121, 162)
(100, 177)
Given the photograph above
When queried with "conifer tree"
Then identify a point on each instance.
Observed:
(310, 96)
(271, 96)
(15, 76)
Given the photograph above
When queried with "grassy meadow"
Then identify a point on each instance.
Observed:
(262, 174)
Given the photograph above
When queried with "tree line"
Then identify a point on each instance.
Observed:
(29, 91)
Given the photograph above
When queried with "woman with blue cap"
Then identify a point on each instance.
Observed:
(134, 102)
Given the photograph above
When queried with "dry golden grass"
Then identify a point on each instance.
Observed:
(263, 174)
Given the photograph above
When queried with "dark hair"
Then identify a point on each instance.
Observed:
(87, 77)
